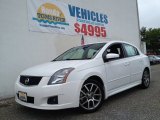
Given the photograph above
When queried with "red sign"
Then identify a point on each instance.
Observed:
(90, 30)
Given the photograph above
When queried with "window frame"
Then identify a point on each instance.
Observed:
(105, 53)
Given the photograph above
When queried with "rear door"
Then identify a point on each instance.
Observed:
(136, 63)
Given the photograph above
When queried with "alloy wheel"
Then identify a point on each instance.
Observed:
(90, 96)
(146, 78)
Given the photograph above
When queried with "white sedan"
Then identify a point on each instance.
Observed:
(83, 77)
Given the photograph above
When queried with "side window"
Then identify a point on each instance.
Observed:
(130, 50)
(137, 53)
(115, 48)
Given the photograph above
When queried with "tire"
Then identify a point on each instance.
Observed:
(91, 96)
(145, 79)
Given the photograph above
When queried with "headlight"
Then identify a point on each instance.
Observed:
(60, 76)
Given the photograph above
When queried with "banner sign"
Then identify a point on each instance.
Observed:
(57, 17)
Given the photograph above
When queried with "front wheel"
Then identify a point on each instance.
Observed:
(91, 96)
(145, 79)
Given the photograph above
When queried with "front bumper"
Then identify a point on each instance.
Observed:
(67, 93)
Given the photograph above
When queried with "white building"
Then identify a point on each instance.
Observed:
(21, 47)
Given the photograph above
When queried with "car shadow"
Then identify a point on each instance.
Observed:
(123, 94)
(73, 112)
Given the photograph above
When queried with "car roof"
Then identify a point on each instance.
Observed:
(112, 41)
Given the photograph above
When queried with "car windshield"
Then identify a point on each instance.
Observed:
(157, 57)
(81, 52)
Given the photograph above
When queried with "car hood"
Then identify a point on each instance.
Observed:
(48, 69)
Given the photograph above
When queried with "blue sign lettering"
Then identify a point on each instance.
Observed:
(87, 14)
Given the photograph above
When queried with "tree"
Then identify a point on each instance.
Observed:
(152, 38)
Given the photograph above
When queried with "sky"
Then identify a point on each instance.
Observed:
(149, 13)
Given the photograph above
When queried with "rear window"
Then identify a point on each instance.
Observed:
(130, 50)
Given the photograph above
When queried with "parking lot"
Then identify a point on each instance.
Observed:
(133, 104)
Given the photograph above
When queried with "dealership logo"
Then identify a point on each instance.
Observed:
(51, 14)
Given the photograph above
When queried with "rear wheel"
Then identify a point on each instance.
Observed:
(145, 79)
(91, 96)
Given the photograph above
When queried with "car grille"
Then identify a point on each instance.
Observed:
(30, 80)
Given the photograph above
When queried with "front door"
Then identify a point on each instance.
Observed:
(117, 70)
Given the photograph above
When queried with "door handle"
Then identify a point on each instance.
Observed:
(126, 63)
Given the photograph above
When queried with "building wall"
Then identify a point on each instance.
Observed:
(21, 48)
(143, 47)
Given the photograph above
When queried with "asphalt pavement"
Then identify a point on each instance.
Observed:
(133, 104)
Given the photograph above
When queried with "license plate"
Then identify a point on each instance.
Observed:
(22, 96)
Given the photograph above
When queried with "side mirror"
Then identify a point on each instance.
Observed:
(112, 56)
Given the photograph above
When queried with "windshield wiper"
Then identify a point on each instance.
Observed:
(71, 59)
(79, 59)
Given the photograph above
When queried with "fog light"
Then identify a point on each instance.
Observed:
(52, 100)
